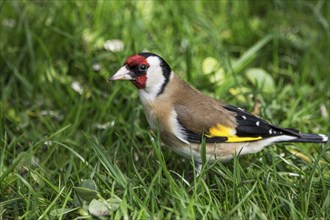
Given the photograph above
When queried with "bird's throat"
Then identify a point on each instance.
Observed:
(140, 81)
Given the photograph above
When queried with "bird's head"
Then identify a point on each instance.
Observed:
(147, 71)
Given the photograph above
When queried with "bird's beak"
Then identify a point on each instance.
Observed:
(122, 74)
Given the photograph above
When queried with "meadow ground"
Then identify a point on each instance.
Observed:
(74, 145)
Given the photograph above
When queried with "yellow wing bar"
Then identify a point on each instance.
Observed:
(223, 131)
(235, 138)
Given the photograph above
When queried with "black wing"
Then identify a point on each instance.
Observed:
(248, 126)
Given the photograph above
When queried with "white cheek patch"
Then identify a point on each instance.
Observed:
(155, 77)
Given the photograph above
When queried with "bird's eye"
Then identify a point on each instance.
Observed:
(143, 67)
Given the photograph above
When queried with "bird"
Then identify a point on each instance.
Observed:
(187, 118)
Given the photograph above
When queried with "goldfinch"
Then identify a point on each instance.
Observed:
(186, 116)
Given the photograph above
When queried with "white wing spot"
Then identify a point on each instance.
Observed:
(270, 131)
(258, 123)
(244, 117)
(240, 109)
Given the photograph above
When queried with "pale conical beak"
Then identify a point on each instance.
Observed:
(122, 74)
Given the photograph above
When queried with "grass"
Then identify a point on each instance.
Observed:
(74, 145)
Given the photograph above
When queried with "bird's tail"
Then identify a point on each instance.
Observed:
(311, 138)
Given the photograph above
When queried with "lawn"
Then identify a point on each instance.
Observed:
(73, 145)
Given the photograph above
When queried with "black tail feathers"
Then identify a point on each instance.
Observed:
(311, 138)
